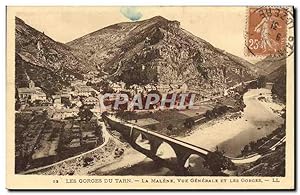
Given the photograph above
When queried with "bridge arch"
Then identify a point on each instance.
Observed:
(192, 160)
(166, 151)
(195, 165)
(142, 141)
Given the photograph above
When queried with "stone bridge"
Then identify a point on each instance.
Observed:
(151, 142)
(148, 143)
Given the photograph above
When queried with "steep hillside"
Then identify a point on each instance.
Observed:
(38, 49)
(279, 87)
(279, 78)
(271, 164)
(269, 65)
(275, 71)
(241, 61)
(159, 51)
(49, 81)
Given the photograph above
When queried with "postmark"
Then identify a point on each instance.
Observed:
(267, 32)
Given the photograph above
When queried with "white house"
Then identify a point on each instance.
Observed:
(117, 87)
(92, 101)
(83, 90)
(64, 113)
(31, 93)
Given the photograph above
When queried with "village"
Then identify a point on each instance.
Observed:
(67, 123)
(83, 95)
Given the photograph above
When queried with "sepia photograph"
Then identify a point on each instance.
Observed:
(186, 96)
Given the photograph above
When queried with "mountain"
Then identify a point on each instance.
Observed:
(156, 50)
(279, 87)
(159, 51)
(274, 70)
(269, 65)
(241, 61)
(39, 49)
(277, 73)
(49, 81)
(45, 61)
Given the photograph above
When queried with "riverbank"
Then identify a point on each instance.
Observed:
(233, 131)
(132, 163)
(230, 133)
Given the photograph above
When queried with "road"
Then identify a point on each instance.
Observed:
(106, 137)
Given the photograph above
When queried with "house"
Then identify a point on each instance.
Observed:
(57, 101)
(75, 143)
(150, 87)
(65, 113)
(75, 129)
(91, 101)
(163, 88)
(93, 104)
(184, 88)
(66, 93)
(89, 138)
(77, 102)
(31, 93)
(117, 87)
(83, 90)
(269, 85)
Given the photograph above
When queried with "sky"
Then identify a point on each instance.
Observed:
(223, 27)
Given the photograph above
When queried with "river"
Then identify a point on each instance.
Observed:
(257, 120)
(230, 135)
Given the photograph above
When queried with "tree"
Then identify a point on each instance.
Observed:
(45, 113)
(261, 81)
(17, 104)
(217, 162)
(170, 127)
(120, 113)
(66, 102)
(34, 113)
(283, 114)
(209, 114)
(94, 94)
(189, 123)
(245, 150)
(85, 114)
(65, 139)
(253, 146)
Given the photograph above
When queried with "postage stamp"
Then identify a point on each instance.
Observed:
(267, 31)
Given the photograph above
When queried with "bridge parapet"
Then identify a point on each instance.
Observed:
(182, 149)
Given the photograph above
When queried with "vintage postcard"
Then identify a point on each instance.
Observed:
(150, 98)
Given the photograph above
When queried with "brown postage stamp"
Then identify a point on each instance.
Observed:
(267, 31)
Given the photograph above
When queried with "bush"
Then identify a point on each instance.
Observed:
(170, 127)
(189, 123)
(261, 81)
(209, 114)
(217, 162)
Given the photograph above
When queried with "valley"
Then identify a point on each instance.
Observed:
(60, 119)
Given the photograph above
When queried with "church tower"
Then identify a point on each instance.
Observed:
(31, 84)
